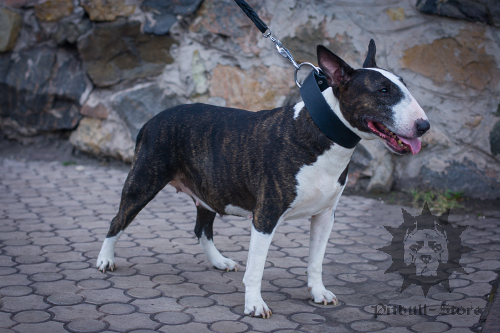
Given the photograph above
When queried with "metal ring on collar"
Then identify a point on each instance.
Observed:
(267, 33)
(298, 68)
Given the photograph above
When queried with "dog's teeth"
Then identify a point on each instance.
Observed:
(399, 141)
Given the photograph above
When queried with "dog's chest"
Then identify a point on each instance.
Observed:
(318, 185)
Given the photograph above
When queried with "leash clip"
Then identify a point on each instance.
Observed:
(287, 55)
(282, 50)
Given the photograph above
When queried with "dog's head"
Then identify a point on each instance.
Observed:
(426, 249)
(375, 102)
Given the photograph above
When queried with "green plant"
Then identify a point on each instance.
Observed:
(68, 163)
(438, 201)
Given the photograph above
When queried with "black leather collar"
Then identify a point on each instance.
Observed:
(322, 114)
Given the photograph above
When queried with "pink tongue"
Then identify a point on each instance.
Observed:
(414, 144)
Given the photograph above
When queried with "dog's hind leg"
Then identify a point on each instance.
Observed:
(204, 232)
(144, 181)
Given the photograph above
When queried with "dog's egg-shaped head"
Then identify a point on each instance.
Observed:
(375, 102)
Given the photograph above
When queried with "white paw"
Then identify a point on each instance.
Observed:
(225, 264)
(104, 262)
(256, 307)
(320, 294)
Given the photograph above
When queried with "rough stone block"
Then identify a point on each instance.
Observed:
(161, 15)
(10, 26)
(44, 88)
(137, 105)
(105, 10)
(53, 10)
(117, 51)
(485, 11)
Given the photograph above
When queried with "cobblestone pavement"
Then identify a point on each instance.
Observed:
(53, 219)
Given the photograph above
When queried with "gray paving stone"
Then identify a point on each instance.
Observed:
(75, 265)
(86, 325)
(16, 291)
(38, 268)
(29, 259)
(430, 327)
(353, 278)
(94, 284)
(172, 318)
(186, 328)
(279, 322)
(219, 288)
(31, 316)
(307, 318)
(116, 308)
(51, 326)
(29, 302)
(48, 288)
(143, 293)
(157, 304)
(169, 279)
(229, 327)
(130, 321)
(5, 320)
(7, 271)
(196, 301)
(44, 277)
(72, 312)
(129, 282)
(16, 242)
(367, 326)
(65, 299)
(104, 296)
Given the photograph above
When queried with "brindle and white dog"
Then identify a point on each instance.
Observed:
(274, 165)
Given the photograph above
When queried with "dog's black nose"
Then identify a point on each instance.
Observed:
(422, 126)
(425, 258)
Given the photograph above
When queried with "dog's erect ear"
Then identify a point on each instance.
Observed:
(337, 71)
(370, 57)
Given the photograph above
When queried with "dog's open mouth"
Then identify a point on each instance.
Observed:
(398, 144)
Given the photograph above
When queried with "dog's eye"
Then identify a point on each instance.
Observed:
(437, 247)
(383, 91)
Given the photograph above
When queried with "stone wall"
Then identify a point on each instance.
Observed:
(101, 69)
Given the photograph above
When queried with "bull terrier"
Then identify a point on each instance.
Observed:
(272, 165)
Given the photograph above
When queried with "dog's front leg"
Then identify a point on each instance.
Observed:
(257, 253)
(321, 227)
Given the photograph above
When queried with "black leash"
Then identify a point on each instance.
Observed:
(252, 15)
(310, 90)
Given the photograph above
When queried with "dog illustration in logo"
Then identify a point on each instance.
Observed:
(426, 250)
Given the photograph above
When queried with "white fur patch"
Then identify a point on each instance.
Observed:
(106, 256)
(257, 253)
(407, 111)
(297, 108)
(215, 257)
(321, 227)
(318, 187)
(238, 211)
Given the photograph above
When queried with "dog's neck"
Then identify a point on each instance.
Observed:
(334, 104)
